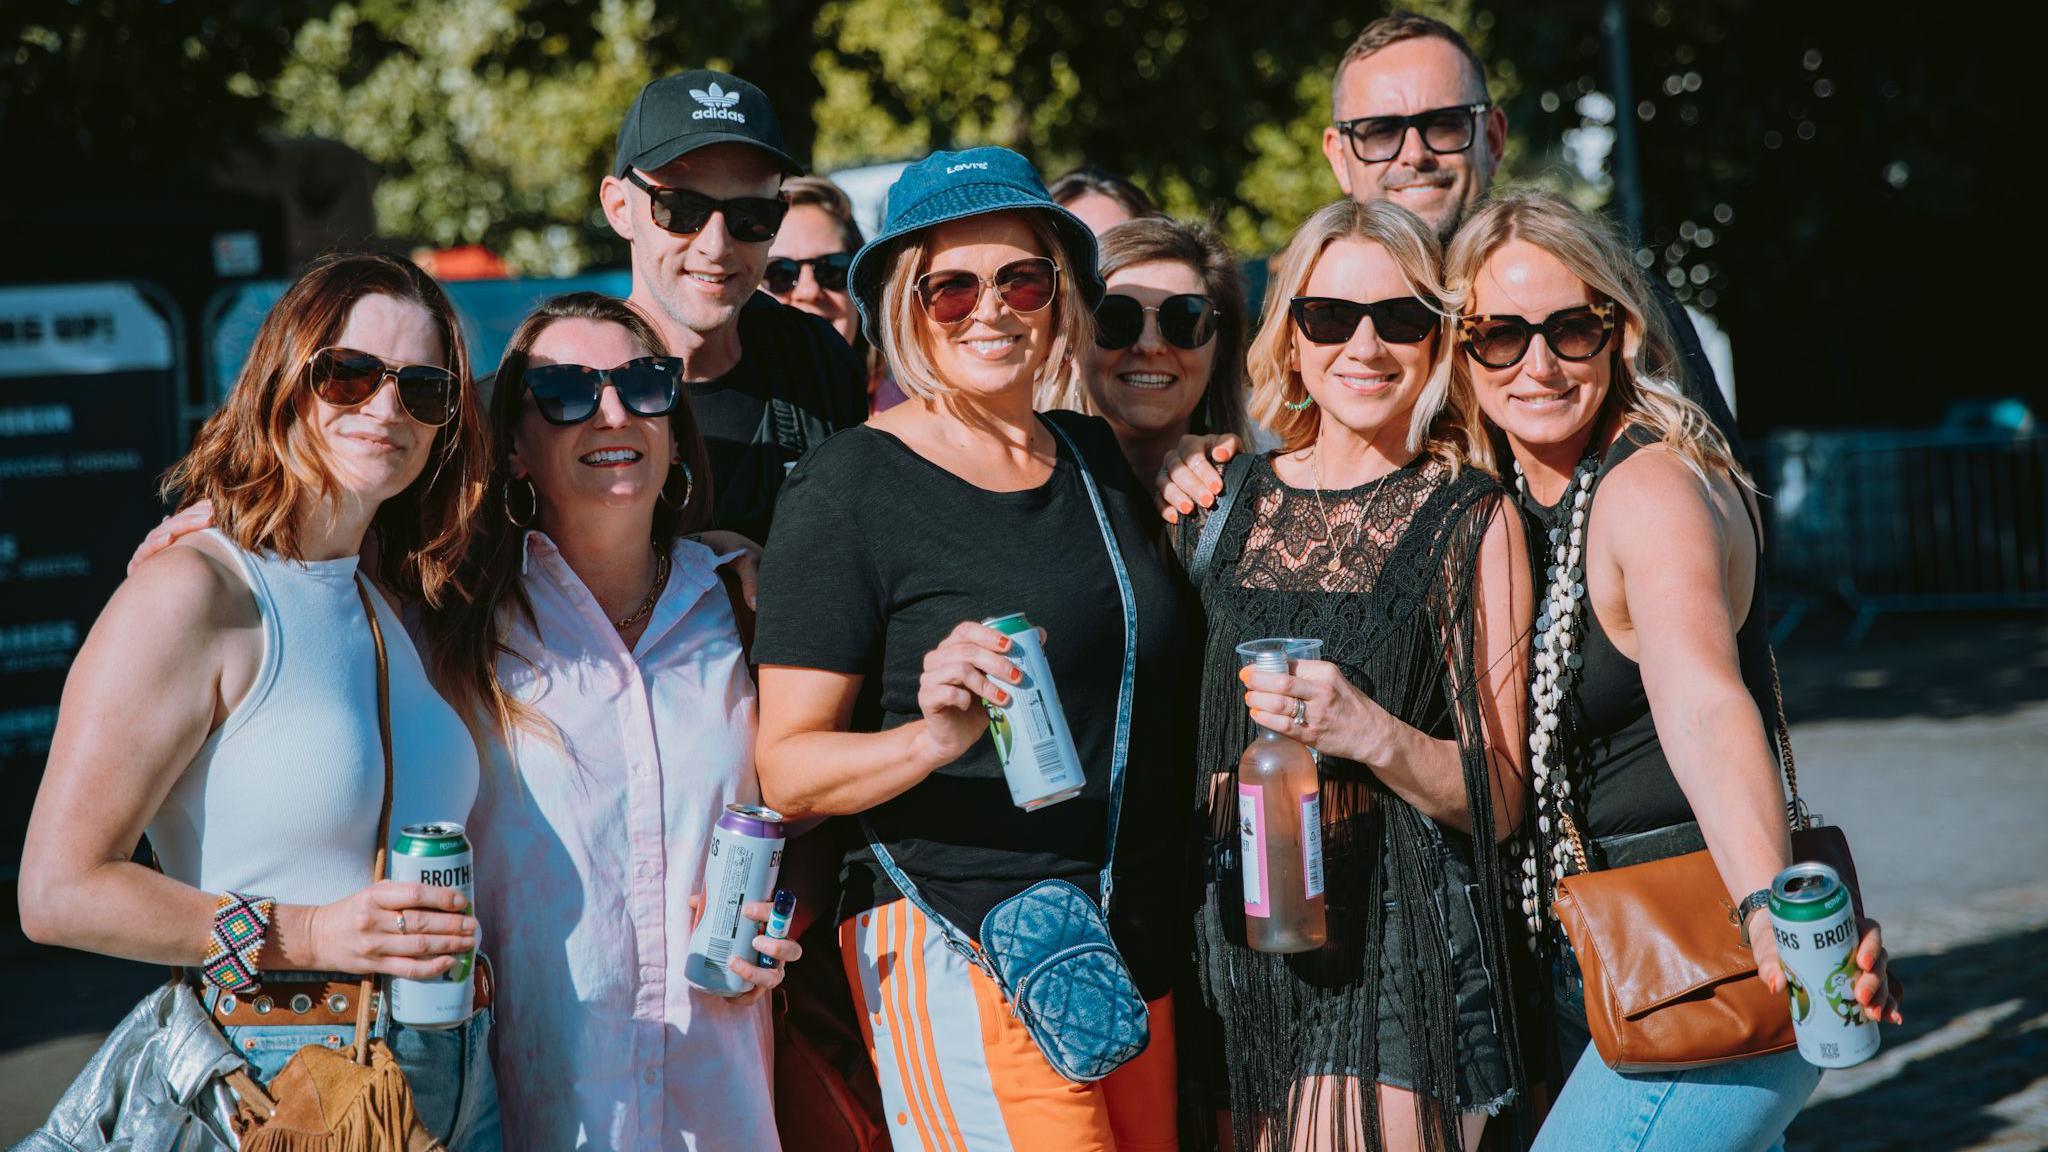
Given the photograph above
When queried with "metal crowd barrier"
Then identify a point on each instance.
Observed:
(1905, 522)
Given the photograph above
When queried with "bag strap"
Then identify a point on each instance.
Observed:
(1796, 814)
(1212, 528)
(1118, 758)
(378, 858)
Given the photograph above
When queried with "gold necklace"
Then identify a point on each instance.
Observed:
(661, 565)
(1315, 467)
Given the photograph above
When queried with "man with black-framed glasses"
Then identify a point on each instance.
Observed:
(1412, 123)
(696, 190)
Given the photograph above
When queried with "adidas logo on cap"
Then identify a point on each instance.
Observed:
(717, 104)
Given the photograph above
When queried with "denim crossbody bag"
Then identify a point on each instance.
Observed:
(1048, 947)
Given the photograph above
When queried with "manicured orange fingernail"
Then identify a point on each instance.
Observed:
(1002, 697)
(1016, 675)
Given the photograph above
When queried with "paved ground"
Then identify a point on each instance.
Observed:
(1928, 745)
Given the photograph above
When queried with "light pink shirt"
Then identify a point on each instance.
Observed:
(588, 852)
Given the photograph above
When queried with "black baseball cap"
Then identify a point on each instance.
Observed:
(679, 114)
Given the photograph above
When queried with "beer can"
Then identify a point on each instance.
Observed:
(1032, 739)
(1814, 920)
(436, 854)
(746, 854)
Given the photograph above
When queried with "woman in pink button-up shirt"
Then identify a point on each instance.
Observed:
(618, 721)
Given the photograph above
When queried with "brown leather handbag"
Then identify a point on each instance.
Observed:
(1669, 983)
(328, 1101)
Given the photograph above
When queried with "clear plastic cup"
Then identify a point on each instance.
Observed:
(1293, 649)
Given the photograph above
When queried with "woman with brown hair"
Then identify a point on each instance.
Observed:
(1168, 355)
(225, 703)
(602, 662)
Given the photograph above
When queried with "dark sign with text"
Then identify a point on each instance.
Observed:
(89, 380)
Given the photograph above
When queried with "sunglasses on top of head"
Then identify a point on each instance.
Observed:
(569, 393)
(1026, 285)
(1378, 139)
(347, 378)
(1576, 334)
(782, 272)
(1185, 321)
(754, 219)
(1329, 320)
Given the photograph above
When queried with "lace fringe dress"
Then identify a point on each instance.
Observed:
(1408, 990)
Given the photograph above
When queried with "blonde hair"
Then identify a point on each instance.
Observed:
(1446, 421)
(259, 457)
(1644, 389)
(902, 317)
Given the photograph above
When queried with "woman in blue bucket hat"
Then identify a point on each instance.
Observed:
(892, 543)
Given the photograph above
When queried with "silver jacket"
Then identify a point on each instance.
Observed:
(154, 1086)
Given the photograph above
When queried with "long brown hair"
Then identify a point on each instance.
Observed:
(256, 460)
(466, 638)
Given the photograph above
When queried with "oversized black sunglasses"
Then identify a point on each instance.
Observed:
(1185, 321)
(1329, 320)
(754, 219)
(347, 378)
(1500, 341)
(569, 393)
(1378, 139)
(782, 272)
(1025, 285)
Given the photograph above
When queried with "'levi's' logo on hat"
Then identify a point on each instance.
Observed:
(717, 104)
(981, 164)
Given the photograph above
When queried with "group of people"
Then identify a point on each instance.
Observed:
(1467, 446)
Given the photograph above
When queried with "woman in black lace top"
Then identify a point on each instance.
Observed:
(1368, 531)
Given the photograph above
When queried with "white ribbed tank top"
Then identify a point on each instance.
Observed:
(282, 800)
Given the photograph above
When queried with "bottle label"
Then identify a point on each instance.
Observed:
(1251, 851)
(1312, 844)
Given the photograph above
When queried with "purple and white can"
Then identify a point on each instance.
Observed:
(746, 854)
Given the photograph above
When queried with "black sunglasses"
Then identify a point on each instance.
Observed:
(754, 219)
(1329, 320)
(347, 378)
(1576, 334)
(1025, 285)
(1185, 321)
(1377, 139)
(782, 273)
(569, 393)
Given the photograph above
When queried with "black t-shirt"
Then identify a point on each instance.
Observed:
(796, 383)
(878, 553)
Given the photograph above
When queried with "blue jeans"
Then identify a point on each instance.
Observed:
(449, 1069)
(1743, 1106)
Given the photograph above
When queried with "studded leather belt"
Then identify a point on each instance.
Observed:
(320, 1003)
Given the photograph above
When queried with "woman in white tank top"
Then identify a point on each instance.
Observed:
(225, 701)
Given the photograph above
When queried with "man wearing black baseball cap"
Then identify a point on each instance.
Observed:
(695, 189)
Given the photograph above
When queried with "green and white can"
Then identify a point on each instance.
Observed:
(1814, 920)
(1032, 739)
(436, 854)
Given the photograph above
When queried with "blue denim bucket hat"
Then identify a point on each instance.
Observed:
(953, 186)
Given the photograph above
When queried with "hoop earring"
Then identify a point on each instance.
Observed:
(532, 502)
(1302, 405)
(689, 483)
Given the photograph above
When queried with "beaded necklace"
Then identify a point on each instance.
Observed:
(1557, 657)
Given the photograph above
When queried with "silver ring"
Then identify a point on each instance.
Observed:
(401, 923)
(1301, 713)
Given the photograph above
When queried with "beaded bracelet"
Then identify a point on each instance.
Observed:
(239, 925)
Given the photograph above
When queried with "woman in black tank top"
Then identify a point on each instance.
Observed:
(1651, 682)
